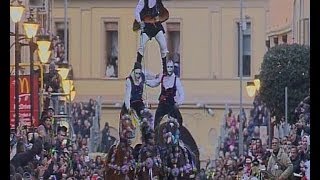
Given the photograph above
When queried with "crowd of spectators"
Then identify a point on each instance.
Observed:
(287, 157)
(59, 50)
(47, 152)
(50, 152)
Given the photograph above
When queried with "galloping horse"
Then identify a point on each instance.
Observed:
(179, 163)
(120, 164)
(147, 154)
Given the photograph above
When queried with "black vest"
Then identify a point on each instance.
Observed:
(136, 90)
(153, 12)
(167, 95)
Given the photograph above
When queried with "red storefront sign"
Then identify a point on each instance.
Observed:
(24, 101)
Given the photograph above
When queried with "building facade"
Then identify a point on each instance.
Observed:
(203, 39)
(288, 21)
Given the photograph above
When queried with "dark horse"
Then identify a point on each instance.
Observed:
(179, 162)
(147, 154)
(120, 164)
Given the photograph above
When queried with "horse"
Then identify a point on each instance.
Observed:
(179, 162)
(147, 154)
(120, 163)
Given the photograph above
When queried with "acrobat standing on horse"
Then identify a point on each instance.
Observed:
(149, 14)
(171, 96)
(134, 91)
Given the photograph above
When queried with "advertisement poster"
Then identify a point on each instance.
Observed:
(24, 101)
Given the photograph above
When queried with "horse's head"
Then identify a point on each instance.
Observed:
(147, 133)
(147, 116)
(148, 155)
(171, 132)
(127, 132)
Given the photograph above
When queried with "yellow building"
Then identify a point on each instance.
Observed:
(202, 34)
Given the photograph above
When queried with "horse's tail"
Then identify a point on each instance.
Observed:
(192, 156)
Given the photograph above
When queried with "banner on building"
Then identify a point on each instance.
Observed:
(24, 101)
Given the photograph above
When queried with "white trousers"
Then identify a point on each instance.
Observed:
(161, 39)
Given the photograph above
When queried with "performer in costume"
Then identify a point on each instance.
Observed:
(151, 9)
(171, 96)
(134, 90)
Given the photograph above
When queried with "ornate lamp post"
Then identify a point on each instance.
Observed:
(16, 11)
(31, 28)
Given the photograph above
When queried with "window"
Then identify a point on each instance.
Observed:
(59, 45)
(173, 42)
(284, 38)
(111, 49)
(268, 44)
(246, 65)
(275, 41)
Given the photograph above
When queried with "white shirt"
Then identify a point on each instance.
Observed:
(168, 82)
(140, 6)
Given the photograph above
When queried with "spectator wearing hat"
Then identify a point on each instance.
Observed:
(134, 91)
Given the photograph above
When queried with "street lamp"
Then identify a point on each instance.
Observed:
(257, 82)
(69, 90)
(31, 28)
(16, 11)
(63, 72)
(72, 94)
(67, 86)
(44, 43)
(251, 89)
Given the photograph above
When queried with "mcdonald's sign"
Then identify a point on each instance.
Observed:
(24, 100)
(24, 85)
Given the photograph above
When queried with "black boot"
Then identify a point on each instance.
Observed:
(164, 65)
(139, 57)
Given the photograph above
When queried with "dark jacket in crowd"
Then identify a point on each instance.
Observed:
(296, 167)
(22, 159)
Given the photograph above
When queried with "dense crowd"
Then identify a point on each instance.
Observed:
(287, 158)
(48, 152)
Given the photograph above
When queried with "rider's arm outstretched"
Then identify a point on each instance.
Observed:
(154, 82)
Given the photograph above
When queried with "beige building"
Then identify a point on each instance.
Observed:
(202, 34)
(288, 21)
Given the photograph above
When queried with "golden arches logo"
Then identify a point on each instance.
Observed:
(24, 85)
